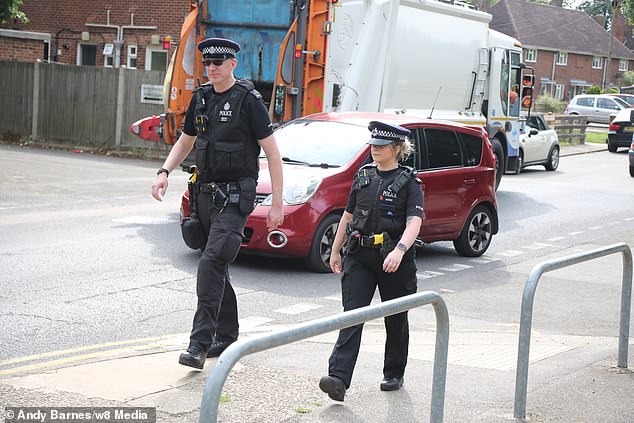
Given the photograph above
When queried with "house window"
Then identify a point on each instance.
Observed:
(559, 91)
(530, 55)
(108, 58)
(623, 65)
(87, 55)
(597, 62)
(562, 58)
(155, 59)
(132, 56)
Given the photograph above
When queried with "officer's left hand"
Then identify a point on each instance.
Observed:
(393, 261)
(274, 218)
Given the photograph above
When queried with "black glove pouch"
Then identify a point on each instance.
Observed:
(193, 232)
(247, 195)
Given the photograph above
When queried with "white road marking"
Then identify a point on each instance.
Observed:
(251, 322)
(537, 246)
(510, 253)
(428, 274)
(575, 233)
(145, 220)
(448, 291)
(557, 238)
(456, 267)
(483, 260)
(614, 223)
(594, 228)
(298, 308)
(627, 219)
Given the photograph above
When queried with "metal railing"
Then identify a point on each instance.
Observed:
(239, 349)
(526, 315)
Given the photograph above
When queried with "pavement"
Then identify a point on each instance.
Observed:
(573, 149)
(572, 377)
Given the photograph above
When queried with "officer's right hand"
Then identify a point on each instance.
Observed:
(159, 187)
(335, 262)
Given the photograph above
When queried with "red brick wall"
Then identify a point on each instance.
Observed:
(579, 67)
(21, 50)
(68, 18)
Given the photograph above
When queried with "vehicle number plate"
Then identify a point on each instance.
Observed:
(629, 129)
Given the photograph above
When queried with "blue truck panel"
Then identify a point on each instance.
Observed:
(259, 26)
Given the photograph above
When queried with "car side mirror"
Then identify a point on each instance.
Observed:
(533, 132)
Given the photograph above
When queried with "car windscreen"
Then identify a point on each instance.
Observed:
(622, 102)
(320, 143)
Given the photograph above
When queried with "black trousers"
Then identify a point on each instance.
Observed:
(362, 273)
(217, 308)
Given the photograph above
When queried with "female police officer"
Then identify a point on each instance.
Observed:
(229, 123)
(381, 222)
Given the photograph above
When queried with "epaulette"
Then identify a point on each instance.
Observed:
(248, 85)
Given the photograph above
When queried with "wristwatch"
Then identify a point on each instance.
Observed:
(402, 246)
(163, 170)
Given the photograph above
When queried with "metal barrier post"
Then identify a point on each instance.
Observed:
(241, 348)
(526, 314)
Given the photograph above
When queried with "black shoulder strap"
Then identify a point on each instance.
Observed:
(402, 179)
(248, 85)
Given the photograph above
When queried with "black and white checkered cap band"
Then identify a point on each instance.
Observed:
(388, 135)
(219, 50)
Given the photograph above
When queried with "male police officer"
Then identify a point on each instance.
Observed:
(229, 123)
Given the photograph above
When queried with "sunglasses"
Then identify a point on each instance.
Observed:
(215, 62)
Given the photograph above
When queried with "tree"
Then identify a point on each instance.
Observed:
(10, 11)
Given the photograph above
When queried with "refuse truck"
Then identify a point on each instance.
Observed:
(432, 59)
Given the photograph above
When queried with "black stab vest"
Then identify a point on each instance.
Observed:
(227, 150)
(379, 207)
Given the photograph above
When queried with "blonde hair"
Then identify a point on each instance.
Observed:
(406, 149)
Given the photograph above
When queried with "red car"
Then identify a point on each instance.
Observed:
(321, 154)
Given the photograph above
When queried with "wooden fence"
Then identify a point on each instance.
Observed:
(84, 106)
(569, 128)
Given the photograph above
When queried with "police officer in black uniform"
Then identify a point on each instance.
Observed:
(381, 222)
(229, 123)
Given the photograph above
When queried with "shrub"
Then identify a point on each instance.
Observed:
(549, 104)
(595, 89)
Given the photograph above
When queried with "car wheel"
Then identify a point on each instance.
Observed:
(611, 147)
(632, 171)
(520, 162)
(476, 234)
(498, 151)
(318, 259)
(553, 159)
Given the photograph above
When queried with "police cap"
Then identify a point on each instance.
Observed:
(218, 48)
(385, 133)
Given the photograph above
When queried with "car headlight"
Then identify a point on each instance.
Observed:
(296, 192)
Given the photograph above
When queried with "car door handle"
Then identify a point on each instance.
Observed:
(469, 181)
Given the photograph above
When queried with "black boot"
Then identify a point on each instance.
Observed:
(217, 347)
(333, 386)
(193, 357)
(391, 383)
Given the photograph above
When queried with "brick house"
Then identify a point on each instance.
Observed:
(110, 33)
(567, 48)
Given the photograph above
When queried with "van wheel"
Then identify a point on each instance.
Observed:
(553, 159)
(476, 234)
(498, 151)
(318, 259)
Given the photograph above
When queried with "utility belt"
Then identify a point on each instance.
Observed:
(221, 192)
(383, 242)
